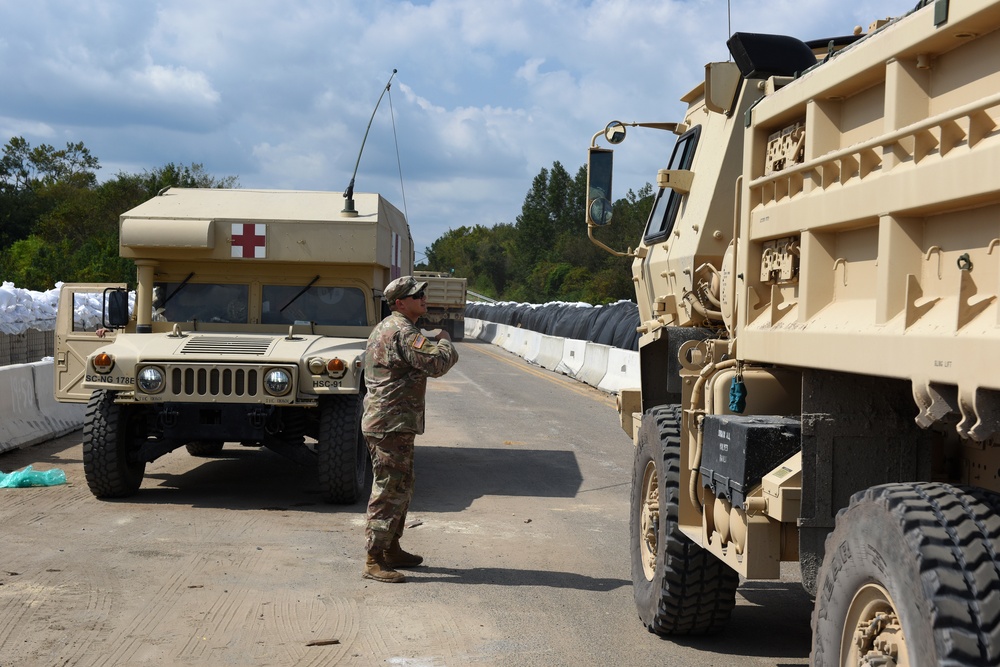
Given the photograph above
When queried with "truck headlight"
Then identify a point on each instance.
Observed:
(277, 382)
(150, 380)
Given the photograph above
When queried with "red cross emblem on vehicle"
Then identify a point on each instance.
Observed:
(249, 240)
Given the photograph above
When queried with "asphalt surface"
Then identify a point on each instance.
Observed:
(521, 511)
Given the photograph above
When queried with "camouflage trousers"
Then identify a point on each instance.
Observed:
(392, 488)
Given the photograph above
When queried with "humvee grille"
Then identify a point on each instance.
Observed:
(239, 384)
(227, 345)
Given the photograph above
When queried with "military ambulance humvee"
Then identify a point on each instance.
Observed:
(250, 320)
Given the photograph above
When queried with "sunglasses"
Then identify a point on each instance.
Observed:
(418, 295)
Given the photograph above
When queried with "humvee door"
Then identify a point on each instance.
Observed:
(76, 337)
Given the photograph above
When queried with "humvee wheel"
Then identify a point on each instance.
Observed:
(111, 435)
(205, 448)
(911, 576)
(341, 450)
(679, 588)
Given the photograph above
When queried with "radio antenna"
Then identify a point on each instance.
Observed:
(349, 210)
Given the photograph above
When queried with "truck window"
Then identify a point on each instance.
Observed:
(87, 311)
(668, 202)
(204, 302)
(338, 306)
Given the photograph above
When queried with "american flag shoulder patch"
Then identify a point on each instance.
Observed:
(419, 342)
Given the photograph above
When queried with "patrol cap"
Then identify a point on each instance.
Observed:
(402, 287)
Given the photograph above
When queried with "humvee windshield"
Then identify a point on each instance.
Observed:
(342, 306)
(204, 302)
(280, 304)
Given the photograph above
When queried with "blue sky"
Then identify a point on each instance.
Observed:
(279, 92)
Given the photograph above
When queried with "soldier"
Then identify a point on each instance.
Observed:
(398, 361)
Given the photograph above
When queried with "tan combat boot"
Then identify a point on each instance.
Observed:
(376, 568)
(394, 556)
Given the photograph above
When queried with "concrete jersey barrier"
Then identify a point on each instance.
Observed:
(607, 368)
(29, 413)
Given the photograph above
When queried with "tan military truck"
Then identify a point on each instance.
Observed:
(251, 314)
(820, 340)
(446, 296)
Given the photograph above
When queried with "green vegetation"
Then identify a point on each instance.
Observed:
(58, 223)
(545, 255)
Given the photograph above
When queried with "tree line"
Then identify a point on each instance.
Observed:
(545, 254)
(58, 223)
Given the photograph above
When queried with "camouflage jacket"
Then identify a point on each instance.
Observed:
(398, 361)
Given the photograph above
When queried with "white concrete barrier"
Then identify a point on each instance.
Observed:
(514, 342)
(622, 372)
(607, 368)
(574, 352)
(29, 413)
(595, 364)
(500, 337)
(530, 346)
(473, 327)
(550, 351)
(488, 332)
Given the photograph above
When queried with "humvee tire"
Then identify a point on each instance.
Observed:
(341, 449)
(679, 588)
(912, 571)
(109, 444)
(205, 448)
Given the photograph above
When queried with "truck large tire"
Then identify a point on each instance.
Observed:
(911, 576)
(112, 434)
(679, 588)
(341, 450)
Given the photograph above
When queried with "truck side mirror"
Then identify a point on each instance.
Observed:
(599, 169)
(115, 313)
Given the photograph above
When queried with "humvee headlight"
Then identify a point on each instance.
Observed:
(150, 380)
(103, 362)
(336, 367)
(277, 382)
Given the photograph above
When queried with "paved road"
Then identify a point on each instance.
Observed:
(521, 510)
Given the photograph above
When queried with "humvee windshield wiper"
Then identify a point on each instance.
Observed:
(179, 288)
(301, 292)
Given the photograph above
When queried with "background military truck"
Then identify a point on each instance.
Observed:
(251, 315)
(820, 340)
(446, 296)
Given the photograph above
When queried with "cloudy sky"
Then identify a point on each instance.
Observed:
(279, 92)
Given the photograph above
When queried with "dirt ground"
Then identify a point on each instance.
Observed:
(521, 510)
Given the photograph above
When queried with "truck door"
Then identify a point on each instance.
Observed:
(76, 337)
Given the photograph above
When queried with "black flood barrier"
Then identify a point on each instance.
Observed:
(614, 324)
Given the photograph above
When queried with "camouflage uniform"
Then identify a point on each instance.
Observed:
(398, 361)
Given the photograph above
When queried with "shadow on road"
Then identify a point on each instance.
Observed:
(499, 576)
(451, 478)
(774, 622)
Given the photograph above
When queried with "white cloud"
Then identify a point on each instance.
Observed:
(279, 92)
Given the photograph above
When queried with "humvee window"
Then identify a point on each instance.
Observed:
(338, 306)
(86, 311)
(204, 302)
(668, 201)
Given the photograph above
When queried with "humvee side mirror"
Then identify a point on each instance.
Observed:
(599, 169)
(115, 313)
